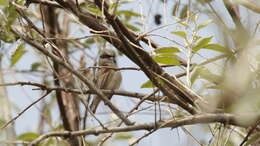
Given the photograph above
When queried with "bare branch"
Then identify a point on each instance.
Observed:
(13, 142)
(172, 123)
(143, 97)
(44, 2)
(250, 5)
(24, 110)
(89, 83)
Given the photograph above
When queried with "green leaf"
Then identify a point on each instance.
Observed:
(148, 84)
(90, 41)
(28, 136)
(175, 9)
(128, 13)
(184, 12)
(207, 75)
(202, 43)
(186, 25)
(202, 25)
(195, 75)
(123, 136)
(180, 34)
(35, 66)
(19, 52)
(196, 37)
(59, 127)
(169, 60)
(166, 50)
(117, 4)
(7, 37)
(2, 122)
(194, 18)
(3, 2)
(11, 15)
(132, 27)
(217, 47)
(95, 11)
(204, 73)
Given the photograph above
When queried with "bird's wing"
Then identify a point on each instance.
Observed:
(107, 79)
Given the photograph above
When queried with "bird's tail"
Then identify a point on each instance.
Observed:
(94, 104)
(96, 101)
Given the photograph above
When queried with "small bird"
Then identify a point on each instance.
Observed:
(106, 78)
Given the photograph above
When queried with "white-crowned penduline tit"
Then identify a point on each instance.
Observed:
(106, 78)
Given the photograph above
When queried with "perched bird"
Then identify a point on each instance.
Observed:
(106, 78)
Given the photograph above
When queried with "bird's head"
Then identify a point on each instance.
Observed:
(107, 58)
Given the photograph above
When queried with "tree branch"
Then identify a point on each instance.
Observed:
(114, 92)
(24, 110)
(250, 5)
(86, 81)
(232, 119)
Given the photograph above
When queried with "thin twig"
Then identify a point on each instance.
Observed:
(76, 91)
(142, 137)
(13, 142)
(129, 113)
(232, 119)
(24, 110)
(85, 80)
(92, 114)
(249, 133)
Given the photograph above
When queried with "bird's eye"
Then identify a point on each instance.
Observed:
(106, 56)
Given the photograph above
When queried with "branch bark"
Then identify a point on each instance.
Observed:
(68, 106)
(237, 120)
(183, 96)
(85, 80)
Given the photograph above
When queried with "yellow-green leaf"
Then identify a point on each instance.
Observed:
(148, 84)
(202, 43)
(128, 13)
(28, 136)
(35, 66)
(167, 50)
(204, 73)
(132, 27)
(194, 75)
(169, 60)
(12, 15)
(123, 136)
(19, 52)
(175, 9)
(196, 37)
(3, 2)
(2, 122)
(202, 25)
(184, 11)
(180, 34)
(194, 17)
(95, 11)
(90, 41)
(209, 76)
(217, 47)
(186, 25)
